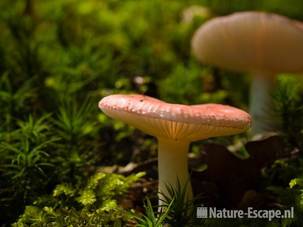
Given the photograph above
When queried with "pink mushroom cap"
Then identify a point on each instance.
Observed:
(175, 121)
(251, 41)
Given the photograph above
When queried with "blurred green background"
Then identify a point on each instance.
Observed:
(59, 58)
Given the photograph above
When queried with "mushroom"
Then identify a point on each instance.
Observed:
(175, 126)
(263, 44)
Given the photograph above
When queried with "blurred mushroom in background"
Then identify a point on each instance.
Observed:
(263, 44)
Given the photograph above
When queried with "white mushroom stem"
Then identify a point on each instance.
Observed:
(261, 104)
(172, 166)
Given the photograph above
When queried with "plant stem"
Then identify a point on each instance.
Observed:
(261, 104)
(173, 167)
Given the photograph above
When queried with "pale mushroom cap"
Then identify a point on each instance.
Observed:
(175, 121)
(251, 41)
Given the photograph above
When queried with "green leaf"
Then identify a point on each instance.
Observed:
(296, 182)
(63, 189)
(87, 197)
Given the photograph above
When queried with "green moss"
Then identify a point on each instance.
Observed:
(89, 205)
